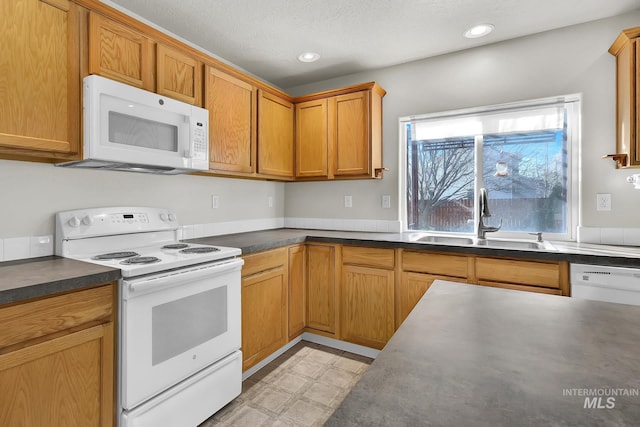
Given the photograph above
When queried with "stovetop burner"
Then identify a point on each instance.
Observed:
(115, 255)
(175, 246)
(141, 260)
(199, 250)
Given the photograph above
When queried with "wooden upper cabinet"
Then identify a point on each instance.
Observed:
(339, 133)
(351, 132)
(40, 78)
(627, 54)
(275, 135)
(232, 122)
(179, 75)
(311, 139)
(119, 53)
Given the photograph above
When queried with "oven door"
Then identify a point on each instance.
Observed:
(176, 324)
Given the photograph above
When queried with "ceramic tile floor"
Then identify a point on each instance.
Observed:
(300, 388)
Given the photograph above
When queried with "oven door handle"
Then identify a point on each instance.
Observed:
(136, 287)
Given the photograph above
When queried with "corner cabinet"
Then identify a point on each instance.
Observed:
(40, 79)
(232, 122)
(339, 133)
(627, 53)
(57, 360)
(275, 136)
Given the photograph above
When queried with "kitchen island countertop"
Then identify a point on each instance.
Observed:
(480, 356)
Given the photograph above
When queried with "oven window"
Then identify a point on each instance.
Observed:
(183, 324)
(139, 132)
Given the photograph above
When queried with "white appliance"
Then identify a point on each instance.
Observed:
(605, 283)
(130, 129)
(179, 332)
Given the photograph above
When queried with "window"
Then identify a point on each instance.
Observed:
(521, 153)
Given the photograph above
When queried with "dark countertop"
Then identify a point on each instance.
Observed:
(565, 251)
(478, 356)
(37, 277)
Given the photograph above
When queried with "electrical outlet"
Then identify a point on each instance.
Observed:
(603, 202)
(348, 201)
(215, 201)
(386, 202)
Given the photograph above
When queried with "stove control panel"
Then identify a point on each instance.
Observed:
(113, 221)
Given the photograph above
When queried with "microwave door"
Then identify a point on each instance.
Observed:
(138, 133)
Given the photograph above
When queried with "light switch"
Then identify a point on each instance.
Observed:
(215, 201)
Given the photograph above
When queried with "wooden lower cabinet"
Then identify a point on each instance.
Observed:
(321, 288)
(297, 290)
(367, 305)
(413, 286)
(57, 360)
(264, 305)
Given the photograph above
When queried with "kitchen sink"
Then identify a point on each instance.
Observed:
(516, 244)
(450, 240)
(513, 244)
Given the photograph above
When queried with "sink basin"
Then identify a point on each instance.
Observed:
(516, 244)
(446, 240)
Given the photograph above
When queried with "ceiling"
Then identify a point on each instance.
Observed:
(265, 37)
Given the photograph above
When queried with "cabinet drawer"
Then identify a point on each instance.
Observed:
(521, 287)
(262, 261)
(35, 319)
(373, 257)
(518, 272)
(439, 264)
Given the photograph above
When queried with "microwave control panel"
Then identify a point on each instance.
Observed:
(200, 141)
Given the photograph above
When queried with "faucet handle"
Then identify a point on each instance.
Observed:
(539, 234)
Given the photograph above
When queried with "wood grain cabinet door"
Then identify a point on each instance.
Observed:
(275, 135)
(264, 315)
(232, 122)
(297, 289)
(350, 132)
(321, 288)
(39, 78)
(367, 305)
(121, 54)
(179, 75)
(311, 139)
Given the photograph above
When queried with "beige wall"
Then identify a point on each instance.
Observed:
(569, 60)
(31, 193)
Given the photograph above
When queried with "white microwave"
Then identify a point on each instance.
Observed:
(130, 129)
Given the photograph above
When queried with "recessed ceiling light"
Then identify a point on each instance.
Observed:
(308, 57)
(480, 30)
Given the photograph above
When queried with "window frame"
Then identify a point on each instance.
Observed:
(572, 102)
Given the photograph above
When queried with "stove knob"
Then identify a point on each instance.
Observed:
(74, 221)
(164, 216)
(87, 220)
(172, 217)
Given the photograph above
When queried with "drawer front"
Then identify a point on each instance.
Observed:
(373, 257)
(262, 261)
(521, 287)
(35, 319)
(439, 264)
(518, 272)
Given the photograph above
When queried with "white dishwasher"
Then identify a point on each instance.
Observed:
(604, 283)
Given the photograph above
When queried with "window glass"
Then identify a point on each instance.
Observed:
(521, 153)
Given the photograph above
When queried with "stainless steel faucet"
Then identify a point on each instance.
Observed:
(485, 213)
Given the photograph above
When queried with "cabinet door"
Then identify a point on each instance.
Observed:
(179, 75)
(275, 135)
(297, 285)
(118, 53)
(413, 286)
(311, 139)
(321, 288)
(367, 305)
(232, 119)
(65, 381)
(39, 81)
(350, 131)
(264, 315)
